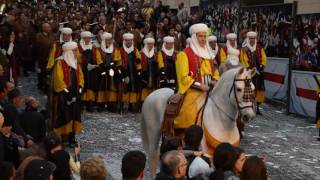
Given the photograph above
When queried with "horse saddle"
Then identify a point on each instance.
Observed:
(172, 110)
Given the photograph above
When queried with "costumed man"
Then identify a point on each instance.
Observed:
(166, 61)
(232, 43)
(130, 73)
(217, 52)
(56, 50)
(89, 64)
(149, 66)
(68, 82)
(254, 56)
(196, 72)
(110, 73)
(232, 61)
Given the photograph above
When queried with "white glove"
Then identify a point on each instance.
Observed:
(119, 71)
(74, 99)
(139, 73)
(103, 73)
(80, 90)
(111, 72)
(91, 66)
(126, 80)
(112, 63)
(4, 52)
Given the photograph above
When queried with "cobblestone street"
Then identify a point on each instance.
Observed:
(287, 142)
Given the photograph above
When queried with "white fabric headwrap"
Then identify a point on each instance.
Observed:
(83, 35)
(110, 49)
(233, 56)
(145, 50)
(168, 39)
(231, 36)
(65, 30)
(213, 52)
(202, 52)
(68, 55)
(127, 36)
(247, 41)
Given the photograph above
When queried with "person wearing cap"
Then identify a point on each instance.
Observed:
(255, 57)
(149, 66)
(68, 82)
(131, 72)
(90, 64)
(109, 72)
(39, 169)
(166, 62)
(217, 52)
(8, 145)
(195, 73)
(56, 50)
(231, 62)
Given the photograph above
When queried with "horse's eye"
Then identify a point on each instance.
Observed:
(239, 89)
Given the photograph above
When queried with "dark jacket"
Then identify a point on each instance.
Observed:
(9, 150)
(33, 123)
(163, 176)
(11, 112)
(61, 159)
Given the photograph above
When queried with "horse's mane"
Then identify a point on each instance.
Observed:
(221, 92)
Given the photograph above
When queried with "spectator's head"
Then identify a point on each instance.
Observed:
(174, 164)
(129, 26)
(127, 40)
(133, 164)
(1, 70)
(52, 141)
(39, 169)
(31, 103)
(46, 28)
(93, 169)
(6, 126)
(9, 86)
(102, 20)
(169, 144)
(20, 171)
(193, 137)
(241, 157)
(254, 168)
(224, 160)
(7, 170)
(181, 5)
(15, 98)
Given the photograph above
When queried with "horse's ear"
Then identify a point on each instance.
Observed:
(241, 71)
(252, 72)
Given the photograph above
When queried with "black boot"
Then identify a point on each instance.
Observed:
(101, 107)
(89, 106)
(258, 109)
(72, 140)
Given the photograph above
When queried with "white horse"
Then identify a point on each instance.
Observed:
(225, 102)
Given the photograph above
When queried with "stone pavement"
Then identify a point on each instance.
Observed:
(287, 142)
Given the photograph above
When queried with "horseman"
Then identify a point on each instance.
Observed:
(130, 71)
(166, 62)
(255, 57)
(68, 82)
(108, 86)
(56, 50)
(195, 73)
(149, 66)
(216, 51)
(89, 63)
(232, 43)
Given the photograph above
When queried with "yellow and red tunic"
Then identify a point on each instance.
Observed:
(55, 52)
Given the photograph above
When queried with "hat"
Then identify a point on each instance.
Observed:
(13, 94)
(85, 34)
(128, 36)
(69, 46)
(66, 30)
(251, 34)
(38, 169)
(148, 40)
(231, 36)
(199, 167)
(196, 28)
(168, 39)
(212, 38)
(106, 35)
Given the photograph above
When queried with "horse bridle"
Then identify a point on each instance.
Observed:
(250, 95)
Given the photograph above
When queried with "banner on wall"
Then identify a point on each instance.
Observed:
(276, 74)
(303, 93)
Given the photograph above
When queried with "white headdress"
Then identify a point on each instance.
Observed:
(194, 44)
(65, 30)
(213, 52)
(233, 56)
(168, 39)
(247, 43)
(231, 36)
(85, 34)
(148, 52)
(68, 55)
(127, 36)
(105, 36)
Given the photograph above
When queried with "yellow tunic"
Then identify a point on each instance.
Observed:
(222, 55)
(244, 60)
(188, 112)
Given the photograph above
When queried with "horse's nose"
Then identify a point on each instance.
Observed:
(245, 118)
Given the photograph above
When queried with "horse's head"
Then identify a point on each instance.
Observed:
(243, 93)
